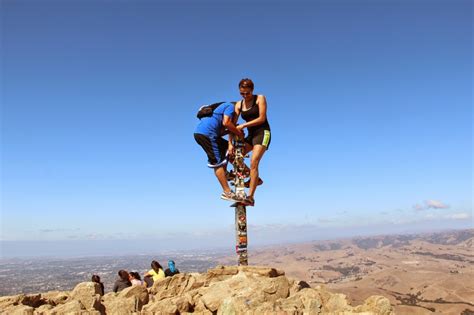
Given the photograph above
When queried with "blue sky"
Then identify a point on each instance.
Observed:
(370, 104)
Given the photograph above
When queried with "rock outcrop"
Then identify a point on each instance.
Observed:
(222, 290)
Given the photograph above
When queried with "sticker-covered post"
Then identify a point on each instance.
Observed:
(240, 210)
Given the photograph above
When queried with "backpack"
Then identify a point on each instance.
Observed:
(207, 110)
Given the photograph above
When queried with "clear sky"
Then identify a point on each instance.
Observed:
(370, 105)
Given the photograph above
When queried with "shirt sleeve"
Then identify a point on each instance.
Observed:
(229, 110)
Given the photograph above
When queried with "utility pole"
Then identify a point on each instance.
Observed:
(240, 210)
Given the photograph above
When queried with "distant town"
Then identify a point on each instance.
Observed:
(62, 274)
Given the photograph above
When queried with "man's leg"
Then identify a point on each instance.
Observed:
(220, 174)
(215, 151)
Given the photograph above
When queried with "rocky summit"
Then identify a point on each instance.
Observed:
(222, 290)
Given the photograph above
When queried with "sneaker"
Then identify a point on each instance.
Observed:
(231, 196)
(249, 201)
(247, 183)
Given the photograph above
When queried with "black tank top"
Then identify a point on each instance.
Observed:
(252, 113)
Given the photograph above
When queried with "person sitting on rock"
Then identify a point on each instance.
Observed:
(155, 273)
(96, 279)
(171, 270)
(135, 278)
(122, 281)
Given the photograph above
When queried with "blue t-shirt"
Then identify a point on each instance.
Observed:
(212, 126)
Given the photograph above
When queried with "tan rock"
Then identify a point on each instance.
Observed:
(56, 297)
(43, 309)
(219, 273)
(244, 291)
(176, 305)
(223, 271)
(176, 285)
(262, 271)
(108, 297)
(296, 286)
(128, 301)
(214, 296)
(336, 303)
(200, 308)
(21, 310)
(138, 293)
(234, 305)
(377, 304)
(7, 301)
(184, 303)
(71, 307)
(88, 293)
(120, 306)
(275, 288)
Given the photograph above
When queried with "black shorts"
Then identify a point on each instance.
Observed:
(215, 148)
(263, 137)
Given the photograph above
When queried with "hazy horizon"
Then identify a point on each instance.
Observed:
(97, 248)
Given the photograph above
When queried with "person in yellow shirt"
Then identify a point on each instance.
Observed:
(155, 273)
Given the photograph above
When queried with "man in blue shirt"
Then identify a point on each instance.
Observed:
(208, 135)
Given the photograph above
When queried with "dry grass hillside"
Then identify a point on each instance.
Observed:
(420, 274)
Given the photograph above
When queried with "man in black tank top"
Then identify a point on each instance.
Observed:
(254, 111)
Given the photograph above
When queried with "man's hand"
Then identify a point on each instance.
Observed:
(227, 122)
(230, 150)
(240, 133)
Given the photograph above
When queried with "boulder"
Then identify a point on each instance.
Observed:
(296, 286)
(138, 293)
(214, 296)
(176, 305)
(129, 300)
(21, 310)
(377, 304)
(336, 303)
(43, 309)
(176, 285)
(274, 288)
(120, 306)
(306, 300)
(262, 271)
(71, 307)
(56, 297)
(88, 294)
(7, 301)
